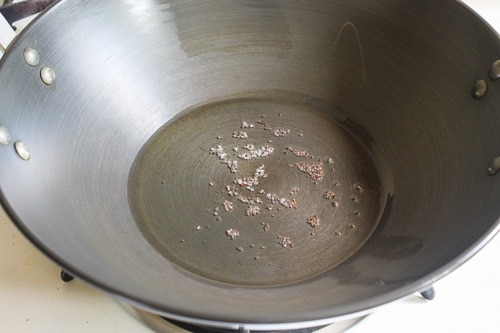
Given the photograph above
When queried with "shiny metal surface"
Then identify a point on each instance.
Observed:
(31, 56)
(124, 69)
(161, 325)
(4, 136)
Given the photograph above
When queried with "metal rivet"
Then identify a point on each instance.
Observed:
(495, 70)
(21, 150)
(480, 88)
(4, 136)
(47, 75)
(494, 166)
(31, 56)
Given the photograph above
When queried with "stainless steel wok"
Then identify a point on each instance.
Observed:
(254, 164)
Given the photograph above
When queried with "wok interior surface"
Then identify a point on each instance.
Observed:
(126, 170)
(269, 205)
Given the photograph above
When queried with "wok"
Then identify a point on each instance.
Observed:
(253, 164)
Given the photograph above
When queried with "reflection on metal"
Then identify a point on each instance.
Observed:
(21, 150)
(31, 56)
(494, 166)
(47, 75)
(361, 55)
(480, 88)
(495, 70)
(4, 136)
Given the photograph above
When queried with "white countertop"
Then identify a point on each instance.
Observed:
(34, 299)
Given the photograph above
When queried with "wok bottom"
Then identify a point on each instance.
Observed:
(274, 192)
